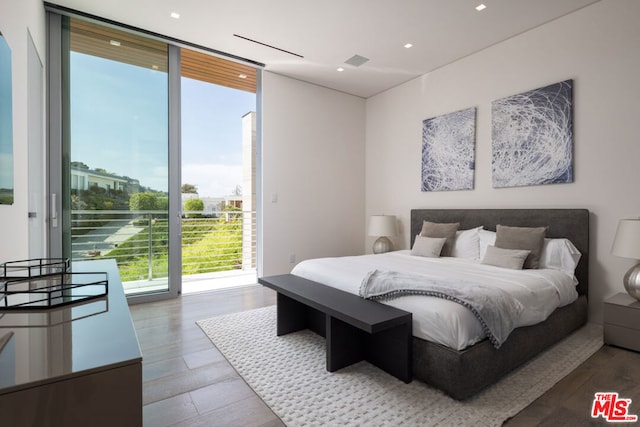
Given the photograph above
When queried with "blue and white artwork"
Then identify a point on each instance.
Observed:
(448, 151)
(532, 137)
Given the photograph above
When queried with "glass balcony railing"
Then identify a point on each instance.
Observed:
(213, 243)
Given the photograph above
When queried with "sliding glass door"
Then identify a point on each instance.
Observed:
(218, 128)
(114, 195)
(117, 141)
(119, 152)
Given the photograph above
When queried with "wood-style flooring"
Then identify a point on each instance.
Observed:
(187, 382)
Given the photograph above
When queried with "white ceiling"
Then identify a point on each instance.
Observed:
(327, 33)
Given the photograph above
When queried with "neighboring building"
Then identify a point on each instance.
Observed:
(83, 179)
(233, 201)
(213, 204)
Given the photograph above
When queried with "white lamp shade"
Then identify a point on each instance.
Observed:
(627, 241)
(382, 225)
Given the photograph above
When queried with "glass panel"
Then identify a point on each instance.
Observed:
(119, 144)
(6, 125)
(218, 172)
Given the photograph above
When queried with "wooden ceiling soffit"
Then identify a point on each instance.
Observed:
(109, 43)
(122, 46)
(216, 70)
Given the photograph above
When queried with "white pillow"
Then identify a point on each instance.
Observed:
(467, 244)
(557, 254)
(428, 246)
(560, 254)
(506, 258)
(487, 238)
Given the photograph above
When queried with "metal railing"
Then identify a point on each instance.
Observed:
(139, 241)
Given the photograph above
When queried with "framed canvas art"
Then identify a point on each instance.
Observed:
(532, 137)
(448, 151)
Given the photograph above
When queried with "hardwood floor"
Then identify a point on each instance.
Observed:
(569, 402)
(187, 382)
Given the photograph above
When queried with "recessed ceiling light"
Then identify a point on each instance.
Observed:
(480, 7)
(155, 67)
(340, 69)
(114, 42)
(408, 45)
(242, 76)
(175, 15)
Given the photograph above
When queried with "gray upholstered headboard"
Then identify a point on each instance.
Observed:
(572, 224)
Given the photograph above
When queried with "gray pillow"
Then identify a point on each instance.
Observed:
(428, 246)
(448, 231)
(507, 258)
(524, 238)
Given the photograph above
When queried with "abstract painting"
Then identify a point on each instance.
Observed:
(532, 137)
(448, 151)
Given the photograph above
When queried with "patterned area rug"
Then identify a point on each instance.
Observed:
(289, 374)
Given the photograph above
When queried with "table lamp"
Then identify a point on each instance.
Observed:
(382, 226)
(627, 244)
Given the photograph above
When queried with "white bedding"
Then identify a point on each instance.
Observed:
(438, 320)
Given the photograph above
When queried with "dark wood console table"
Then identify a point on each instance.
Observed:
(76, 365)
(354, 328)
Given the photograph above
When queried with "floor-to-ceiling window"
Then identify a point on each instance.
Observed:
(119, 152)
(118, 185)
(218, 172)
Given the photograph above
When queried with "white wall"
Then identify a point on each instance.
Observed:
(313, 166)
(17, 20)
(599, 48)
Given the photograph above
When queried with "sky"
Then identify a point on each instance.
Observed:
(6, 117)
(212, 136)
(119, 123)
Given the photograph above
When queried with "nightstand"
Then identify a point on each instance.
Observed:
(621, 321)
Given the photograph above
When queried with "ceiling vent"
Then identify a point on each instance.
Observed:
(356, 60)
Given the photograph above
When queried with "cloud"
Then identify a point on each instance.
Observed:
(212, 180)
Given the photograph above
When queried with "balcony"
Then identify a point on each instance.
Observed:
(218, 248)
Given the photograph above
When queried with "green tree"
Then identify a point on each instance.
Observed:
(79, 165)
(143, 202)
(194, 204)
(189, 189)
(163, 203)
(77, 203)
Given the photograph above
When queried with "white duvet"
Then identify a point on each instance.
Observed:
(438, 320)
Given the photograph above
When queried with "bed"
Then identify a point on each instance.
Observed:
(461, 369)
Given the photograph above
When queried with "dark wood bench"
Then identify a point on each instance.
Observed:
(354, 328)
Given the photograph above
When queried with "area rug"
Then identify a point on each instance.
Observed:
(289, 374)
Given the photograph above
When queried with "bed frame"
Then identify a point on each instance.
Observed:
(463, 373)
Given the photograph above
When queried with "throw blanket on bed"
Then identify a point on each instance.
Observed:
(494, 308)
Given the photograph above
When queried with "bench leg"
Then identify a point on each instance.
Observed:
(391, 350)
(295, 316)
(292, 315)
(344, 344)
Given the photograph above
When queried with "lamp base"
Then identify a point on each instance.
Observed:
(632, 281)
(382, 245)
